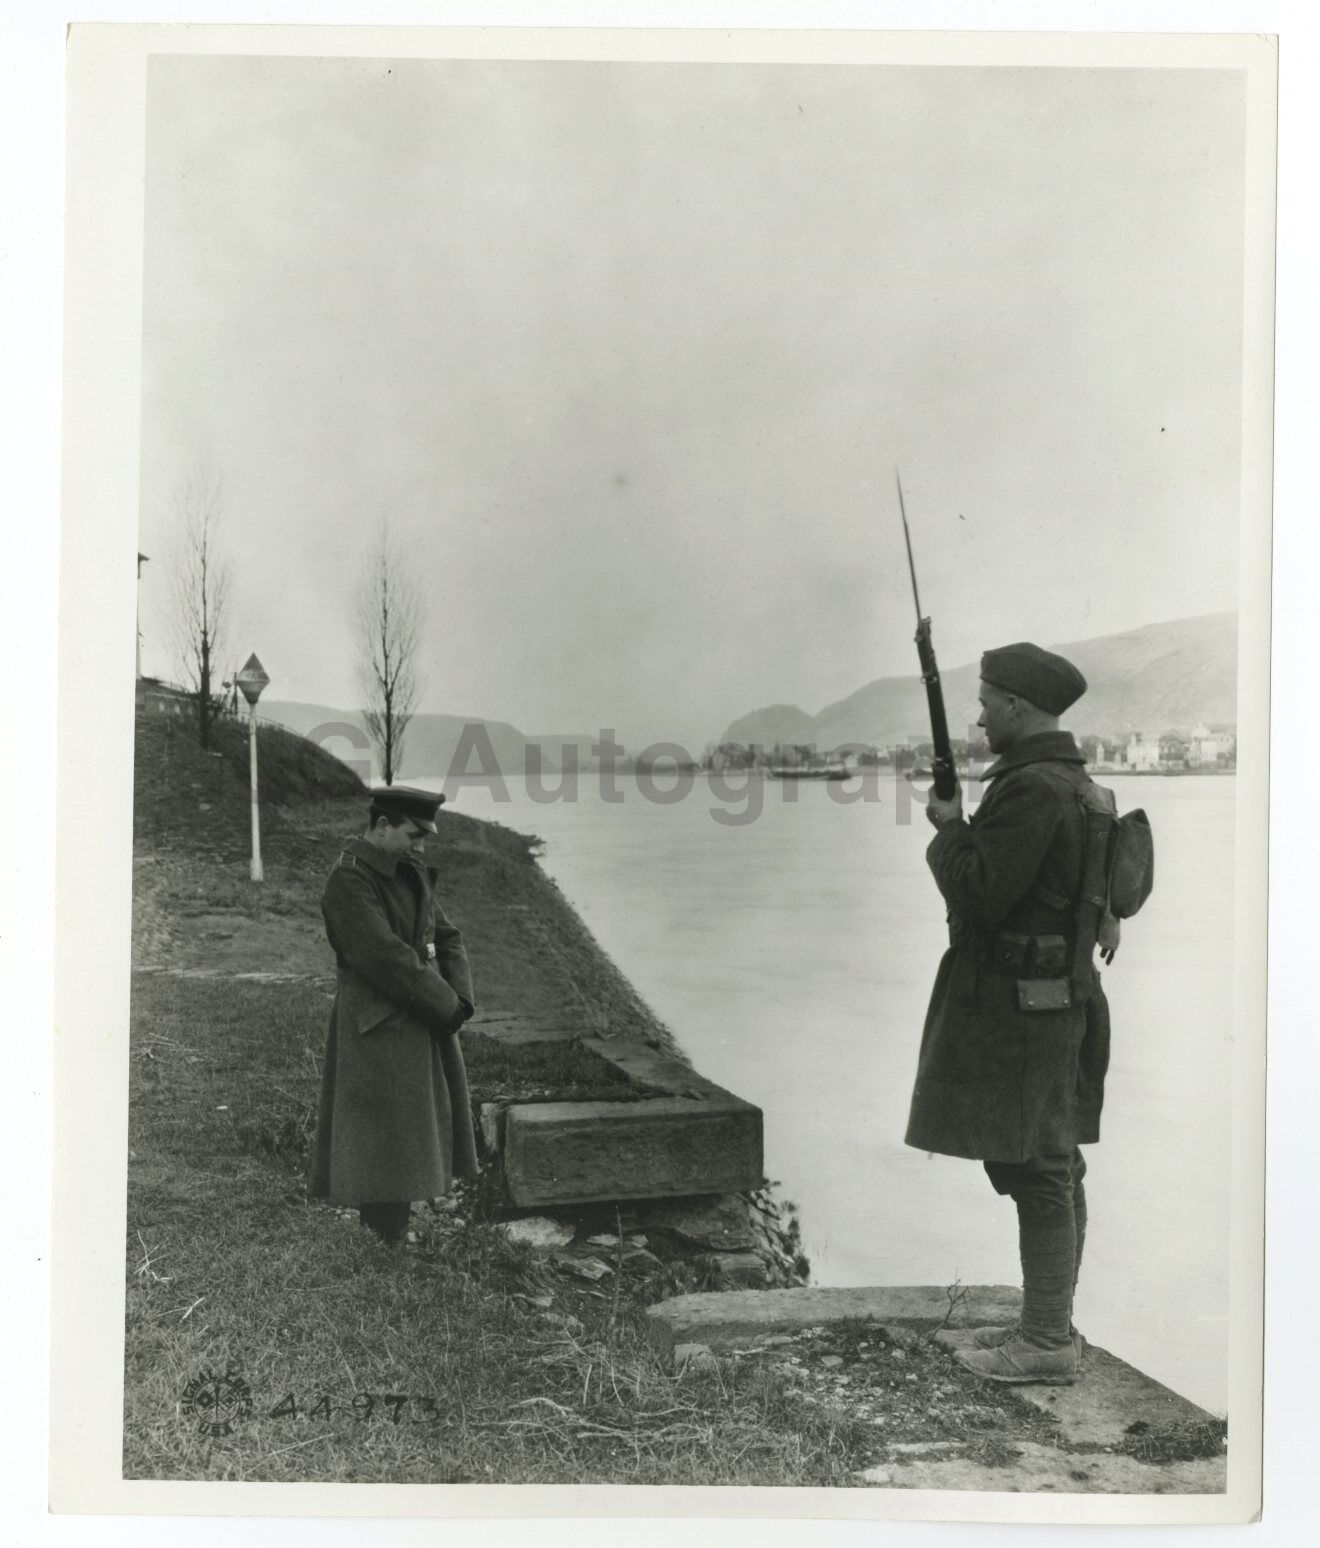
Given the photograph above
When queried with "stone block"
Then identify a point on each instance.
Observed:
(578, 1152)
(718, 1224)
(727, 1319)
(744, 1268)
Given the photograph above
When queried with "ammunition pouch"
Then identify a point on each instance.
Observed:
(1029, 956)
(1044, 994)
(1039, 966)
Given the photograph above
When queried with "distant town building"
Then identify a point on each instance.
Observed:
(1212, 745)
(1102, 754)
(1173, 750)
(729, 755)
(158, 698)
(1142, 752)
(870, 757)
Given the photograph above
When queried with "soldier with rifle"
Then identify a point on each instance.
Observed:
(1016, 1040)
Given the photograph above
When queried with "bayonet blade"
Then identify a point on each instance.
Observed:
(907, 539)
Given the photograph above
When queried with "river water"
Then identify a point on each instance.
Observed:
(792, 956)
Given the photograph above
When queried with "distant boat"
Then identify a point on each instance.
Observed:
(833, 773)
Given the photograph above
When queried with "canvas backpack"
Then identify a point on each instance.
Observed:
(1118, 864)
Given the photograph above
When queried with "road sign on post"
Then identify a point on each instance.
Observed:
(251, 680)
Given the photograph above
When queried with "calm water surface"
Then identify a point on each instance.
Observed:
(793, 956)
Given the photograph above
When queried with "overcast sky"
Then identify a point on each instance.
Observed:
(627, 355)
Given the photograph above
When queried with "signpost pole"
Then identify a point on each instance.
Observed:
(257, 873)
(252, 679)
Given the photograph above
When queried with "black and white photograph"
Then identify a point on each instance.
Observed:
(691, 686)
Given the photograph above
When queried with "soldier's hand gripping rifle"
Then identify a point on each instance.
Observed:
(946, 778)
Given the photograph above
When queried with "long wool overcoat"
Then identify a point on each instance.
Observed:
(395, 1121)
(994, 1082)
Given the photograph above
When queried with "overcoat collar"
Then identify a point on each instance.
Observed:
(1044, 747)
(377, 859)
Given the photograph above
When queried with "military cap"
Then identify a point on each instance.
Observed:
(1046, 680)
(419, 806)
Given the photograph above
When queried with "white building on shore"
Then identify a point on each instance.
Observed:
(1142, 753)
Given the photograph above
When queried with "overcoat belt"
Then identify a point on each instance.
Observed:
(395, 1120)
(995, 1082)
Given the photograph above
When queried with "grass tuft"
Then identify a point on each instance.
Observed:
(1185, 1441)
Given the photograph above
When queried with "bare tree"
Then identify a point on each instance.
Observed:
(389, 615)
(201, 580)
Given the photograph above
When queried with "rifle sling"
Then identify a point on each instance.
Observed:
(1054, 900)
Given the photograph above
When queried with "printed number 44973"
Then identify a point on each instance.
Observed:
(388, 1407)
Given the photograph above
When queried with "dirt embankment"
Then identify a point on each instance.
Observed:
(196, 908)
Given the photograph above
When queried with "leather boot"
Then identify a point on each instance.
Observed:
(992, 1336)
(1017, 1363)
(389, 1220)
(1043, 1346)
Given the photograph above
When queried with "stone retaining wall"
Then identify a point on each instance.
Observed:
(687, 1162)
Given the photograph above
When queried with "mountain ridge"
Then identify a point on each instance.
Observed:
(432, 741)
(1167, 676)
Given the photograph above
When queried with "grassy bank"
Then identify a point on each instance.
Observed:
(271, 1339)
(462, 1357)
(510, 1370)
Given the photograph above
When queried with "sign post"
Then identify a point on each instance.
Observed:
(252, 679)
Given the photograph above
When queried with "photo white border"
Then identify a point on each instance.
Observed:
(100, 483)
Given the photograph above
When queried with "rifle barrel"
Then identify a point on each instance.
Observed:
(945, 774)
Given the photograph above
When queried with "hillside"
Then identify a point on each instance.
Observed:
(184, 797)
(1166, 676)
(431, 741)
(195, 907)
(783, 723)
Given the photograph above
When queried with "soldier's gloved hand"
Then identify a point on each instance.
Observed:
(941, 813)
(443, 1030)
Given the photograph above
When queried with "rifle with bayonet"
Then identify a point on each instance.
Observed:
(946, 777)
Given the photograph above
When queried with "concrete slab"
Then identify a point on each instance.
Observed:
(1101, 1409)
(726, 1319)
(654, 1067)
(1109, 1397)
(580, 1152)
(1043, 1469)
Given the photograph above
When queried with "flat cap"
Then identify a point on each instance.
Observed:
(1046, 680)
(420, 806)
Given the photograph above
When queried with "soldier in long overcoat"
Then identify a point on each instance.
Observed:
(394, 1123)
(1014, 1051)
